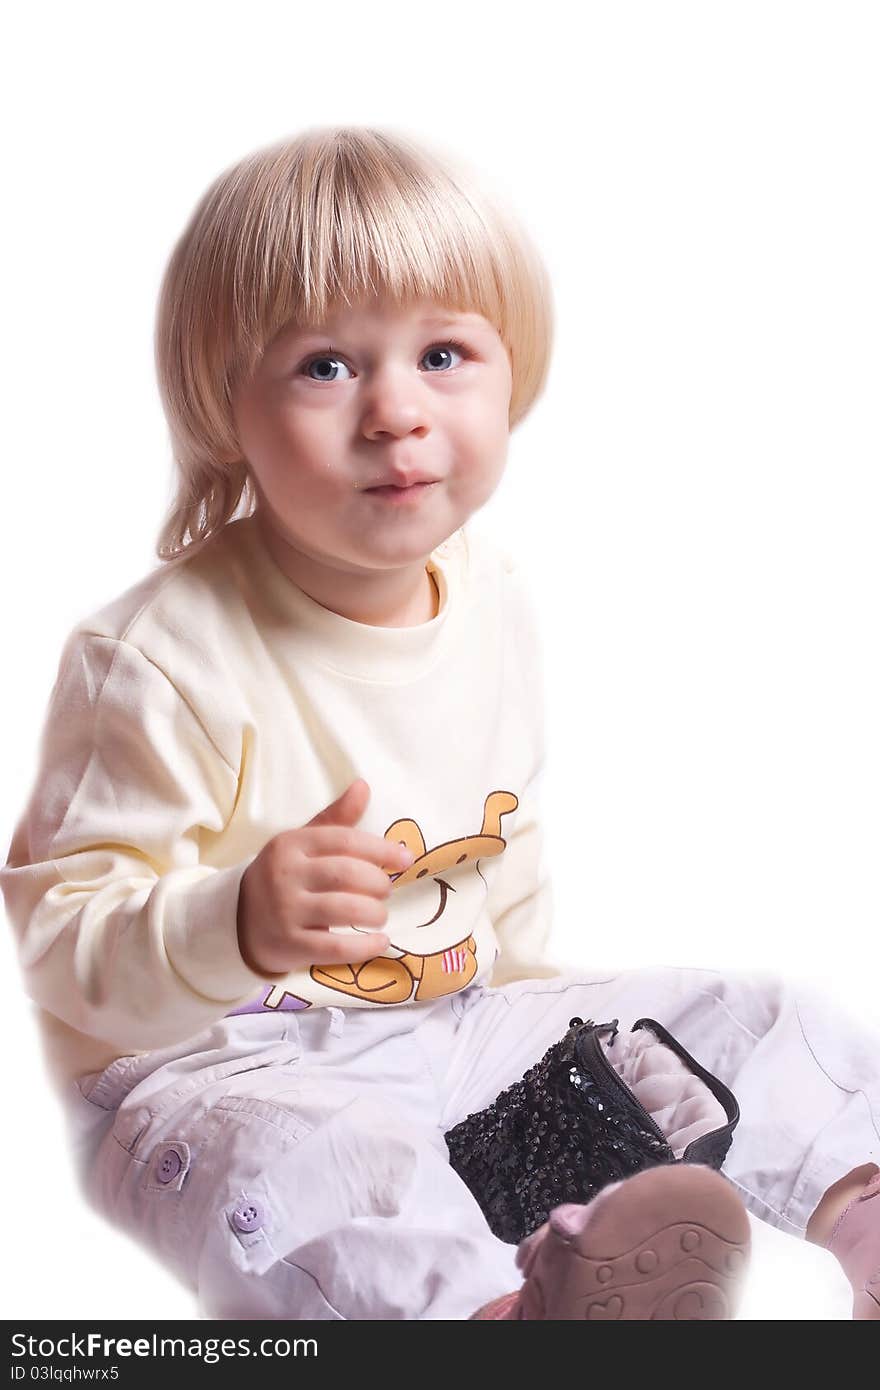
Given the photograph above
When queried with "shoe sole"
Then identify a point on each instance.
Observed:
(670, 1243)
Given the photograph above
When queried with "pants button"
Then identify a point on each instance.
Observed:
(248, 1216)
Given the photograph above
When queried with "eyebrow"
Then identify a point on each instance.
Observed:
(454, 316)
(451, 317)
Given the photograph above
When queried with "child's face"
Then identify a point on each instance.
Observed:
(377, 395)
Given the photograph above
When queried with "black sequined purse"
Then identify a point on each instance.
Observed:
(568, 1128)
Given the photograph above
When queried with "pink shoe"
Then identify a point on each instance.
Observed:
(855, 1241)
(670, 1243)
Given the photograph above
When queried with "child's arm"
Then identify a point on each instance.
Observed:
(126, 933)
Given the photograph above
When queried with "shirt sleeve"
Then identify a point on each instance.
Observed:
(521, 899)
(123, 932)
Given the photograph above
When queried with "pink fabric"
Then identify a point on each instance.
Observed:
(507, 1306)
(680, 1104)
(855, 1241)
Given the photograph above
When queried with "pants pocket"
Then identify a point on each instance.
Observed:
(168, 1164)
(144, 1116)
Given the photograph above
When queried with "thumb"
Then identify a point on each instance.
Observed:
(348, 808)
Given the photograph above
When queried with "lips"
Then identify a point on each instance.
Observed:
(401, 498)
(400, 484)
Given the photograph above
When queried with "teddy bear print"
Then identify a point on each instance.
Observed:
(427, 955)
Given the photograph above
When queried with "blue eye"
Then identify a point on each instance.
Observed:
(443, 348)
(326, 360)
(329, 362)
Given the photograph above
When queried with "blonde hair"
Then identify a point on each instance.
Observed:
(286, 234)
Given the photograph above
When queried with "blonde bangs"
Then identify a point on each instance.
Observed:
(331, 218)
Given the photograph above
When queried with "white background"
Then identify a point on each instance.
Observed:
(694, 498)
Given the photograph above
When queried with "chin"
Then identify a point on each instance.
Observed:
(404, 544)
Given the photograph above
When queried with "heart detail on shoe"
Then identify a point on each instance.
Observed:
(611, 1308)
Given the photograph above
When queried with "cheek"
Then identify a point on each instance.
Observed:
(485, 430)
(488, 409)
(285, 439)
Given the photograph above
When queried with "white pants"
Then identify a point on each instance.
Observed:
(294, 1166)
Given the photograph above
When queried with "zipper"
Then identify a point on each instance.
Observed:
(718, 1089)
(592, 1047)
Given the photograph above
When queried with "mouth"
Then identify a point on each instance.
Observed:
(391, 493)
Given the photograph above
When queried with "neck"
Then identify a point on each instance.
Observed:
(403, 597)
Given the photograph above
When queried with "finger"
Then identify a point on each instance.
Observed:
(348, 808)
(344, 910)
(328, 873)
(332, 949)
(358, 844)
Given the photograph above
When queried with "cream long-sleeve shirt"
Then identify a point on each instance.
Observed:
(215, 704)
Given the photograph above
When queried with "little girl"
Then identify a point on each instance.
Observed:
(279, 888)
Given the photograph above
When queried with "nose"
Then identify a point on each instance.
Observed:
(395, 405)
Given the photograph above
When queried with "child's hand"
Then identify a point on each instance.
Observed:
(302, 882)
